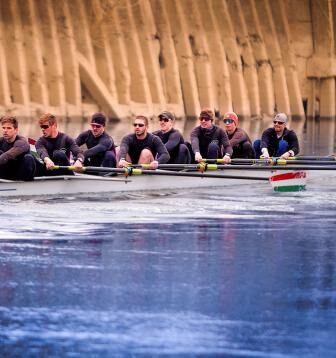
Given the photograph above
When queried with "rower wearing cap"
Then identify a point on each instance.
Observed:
(142, 147)
(208, 140)
(16, 162)
(239, 140)
(278, 141)
(100, 146)
(172, 139)
(55, 147)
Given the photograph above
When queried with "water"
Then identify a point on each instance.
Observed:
(237, 273)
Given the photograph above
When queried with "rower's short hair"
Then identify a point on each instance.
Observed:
(144, 118)
(48, 118)
(10, 119)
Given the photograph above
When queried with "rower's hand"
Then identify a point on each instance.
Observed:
(227, 159)
(49, 163)
(265, 153)
(78, 166)
(154, 164)
(198, 157)
(124, 164)
(286, 155)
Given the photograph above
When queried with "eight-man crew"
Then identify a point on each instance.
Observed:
(239, 140)
(208, 140)
(142, 147)
(278, 141)
(172, 139)
(16, 162)
(55, 147)
(100, 146)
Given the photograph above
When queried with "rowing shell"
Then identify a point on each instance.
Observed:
(90, 184)
(86, 184)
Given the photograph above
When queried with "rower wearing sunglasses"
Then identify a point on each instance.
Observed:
(55, 147)
(239, 140)
(172, 139)
(278, 141)
(142, 147)
(100, 146)
(210, 141)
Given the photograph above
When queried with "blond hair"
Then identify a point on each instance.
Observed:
(48, 118)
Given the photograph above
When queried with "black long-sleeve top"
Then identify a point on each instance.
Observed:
(171, 139)
(270, 140)
(45, 147)
(202, 137)
(14, 149)
(133, 146)
(95, 145)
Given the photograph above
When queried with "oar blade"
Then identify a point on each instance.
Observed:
(292, 181)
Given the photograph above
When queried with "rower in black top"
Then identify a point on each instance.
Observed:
(210, 141)
(172, 139)
(142, 147)
(54, 148)
(100, 146)
(16, 162)
(278, 141)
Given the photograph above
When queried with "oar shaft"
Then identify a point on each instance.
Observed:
(306, 162)
(201, 175)
(136, 171)
(245, 167)
(275, 160)
(314, 157)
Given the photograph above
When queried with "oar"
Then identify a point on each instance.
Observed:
(331, 157)
(137, 171)
(305, 162)
(205, 167)
(277, 160)
(241, 161)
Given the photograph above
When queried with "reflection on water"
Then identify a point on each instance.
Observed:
(240, 285)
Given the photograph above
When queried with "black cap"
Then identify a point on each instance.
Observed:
(166, 114)
(99, 118)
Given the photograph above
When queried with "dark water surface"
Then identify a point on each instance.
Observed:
(251, 274)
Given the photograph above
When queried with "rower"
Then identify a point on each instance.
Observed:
(142, 147)
(277, 141)
(55, 147)
(239, 140)
(172, 139)
(16, 162)
(208, 140)
(100, 146)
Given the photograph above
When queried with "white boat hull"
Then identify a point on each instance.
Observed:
(84, 183)
(90, 184)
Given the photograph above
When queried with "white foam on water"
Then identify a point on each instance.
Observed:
(75, 216)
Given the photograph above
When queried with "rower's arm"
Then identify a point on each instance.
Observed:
(163, 155)
(20, 146)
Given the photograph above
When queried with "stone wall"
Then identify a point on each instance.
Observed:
(124, 57)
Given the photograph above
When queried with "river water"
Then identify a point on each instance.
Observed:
(236, 273)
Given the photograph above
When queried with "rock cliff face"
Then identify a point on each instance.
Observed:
(256, 57)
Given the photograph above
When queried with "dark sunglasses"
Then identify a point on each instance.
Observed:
(94, 125)
(277, 122)
(44, 126)
(164, 119)
(138, 125)
(205, 119)
(228, 121)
